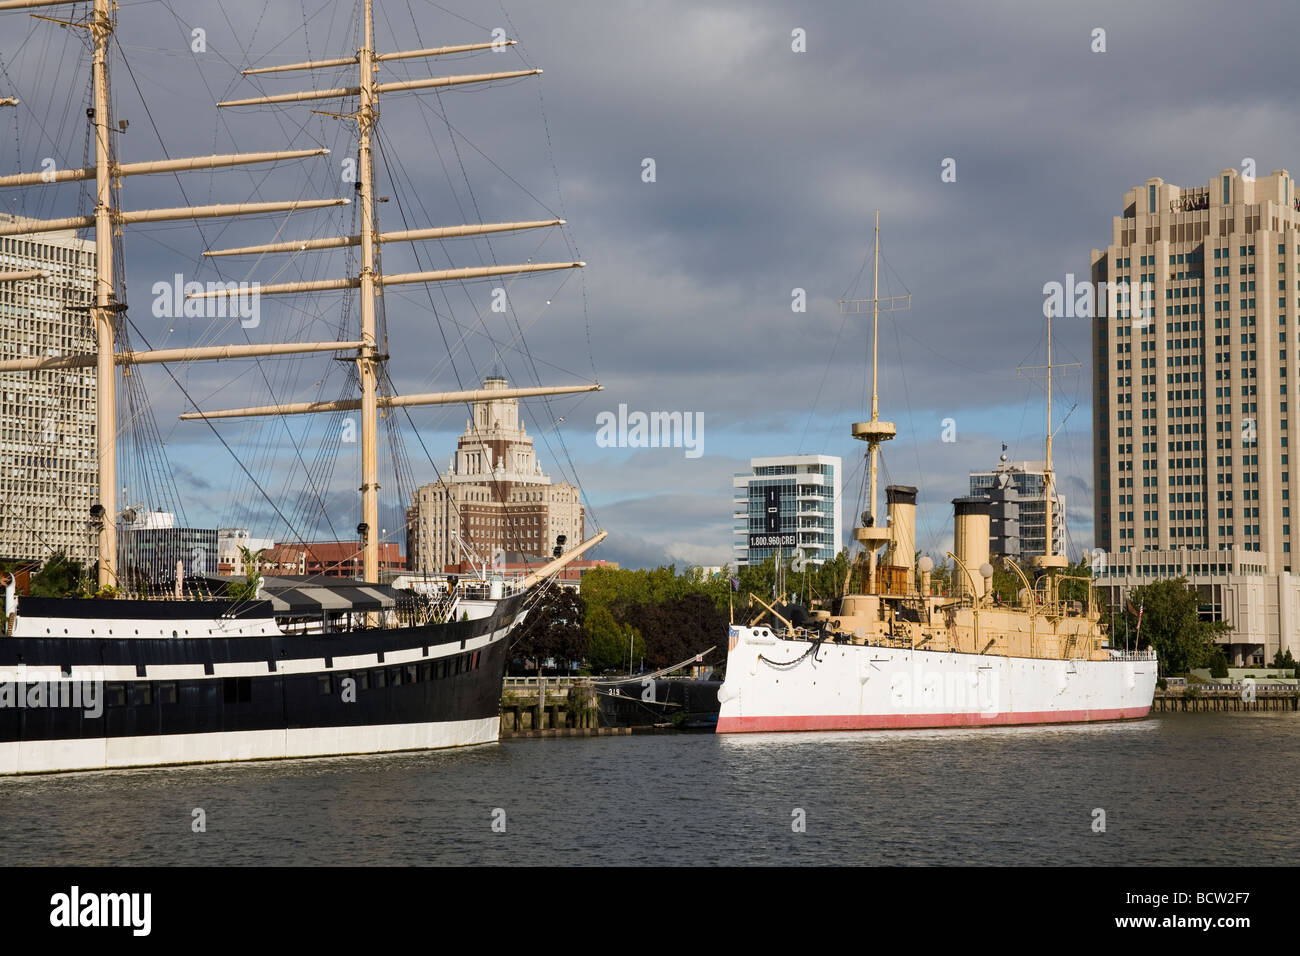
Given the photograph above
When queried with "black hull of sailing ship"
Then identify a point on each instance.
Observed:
(166, 700)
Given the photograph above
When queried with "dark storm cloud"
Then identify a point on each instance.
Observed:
(769, 166)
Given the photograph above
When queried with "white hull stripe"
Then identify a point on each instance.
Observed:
(169, 672)
(49, 756)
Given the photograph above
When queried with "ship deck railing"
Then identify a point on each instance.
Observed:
(1133, 655)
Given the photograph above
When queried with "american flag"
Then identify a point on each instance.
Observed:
(1136, 612)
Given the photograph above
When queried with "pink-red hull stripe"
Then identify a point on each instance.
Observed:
(737, 725)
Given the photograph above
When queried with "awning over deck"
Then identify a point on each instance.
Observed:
(317, 595)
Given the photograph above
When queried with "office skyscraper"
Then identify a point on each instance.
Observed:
(47, 418)
(1191, 401)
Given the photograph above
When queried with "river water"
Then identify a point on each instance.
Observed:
(1193, 789)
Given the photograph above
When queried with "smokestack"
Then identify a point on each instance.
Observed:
(901, 504)
(971, 543)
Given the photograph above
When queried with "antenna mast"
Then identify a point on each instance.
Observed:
(871, 533)
(1049, 560)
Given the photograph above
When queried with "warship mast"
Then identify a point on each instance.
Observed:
(870, 532)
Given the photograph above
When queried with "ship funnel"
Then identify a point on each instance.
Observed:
(901, 551)
(971, 544)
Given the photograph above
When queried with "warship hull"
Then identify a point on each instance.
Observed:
(777, 684)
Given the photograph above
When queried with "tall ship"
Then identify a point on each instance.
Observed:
(287, 667)
(890, 653)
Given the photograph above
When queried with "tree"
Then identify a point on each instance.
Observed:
(554, 629)
(675, 630)
(59, 576)
(941, 577)
(1077, 590)
(608, 642)
(1286, 662)
(1171, 623)
(246, 590)
(1218, 663)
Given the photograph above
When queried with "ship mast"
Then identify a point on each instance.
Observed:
(1049, 560)
(1050, 540)
(370, 360)
(101, 28)
(368, 354)
(871, 533)
(106, 217)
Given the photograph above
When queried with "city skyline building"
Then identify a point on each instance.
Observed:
(1018, 508)
(791, 502)
(493, 500)
(230, 559)
(47, 417)
(152, 551)
(1191, 403)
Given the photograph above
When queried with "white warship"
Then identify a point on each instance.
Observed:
(890, 653)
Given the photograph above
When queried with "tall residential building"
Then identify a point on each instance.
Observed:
(494, 498)
(1191, 402)
(791, 502)
(1018, 509)
(48, 472)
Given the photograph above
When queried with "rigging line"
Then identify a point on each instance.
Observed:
(928, 347)
(571, 242)
(36, 533)
(822, 384)
(442, 332)
(238, 461)
(54, 144)
(487, 243)
(546, 402)
(907, 402)
(497, 483)
(472, 330)
(208, 422)
(456, 133)
(162, 145)
(853, 285)
(450, 13)
(394, 170)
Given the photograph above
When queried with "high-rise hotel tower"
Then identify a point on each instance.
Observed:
(1191, 400)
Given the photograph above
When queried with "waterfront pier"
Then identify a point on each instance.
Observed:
(1225, 697)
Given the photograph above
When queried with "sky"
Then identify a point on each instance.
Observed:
(774, 131)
